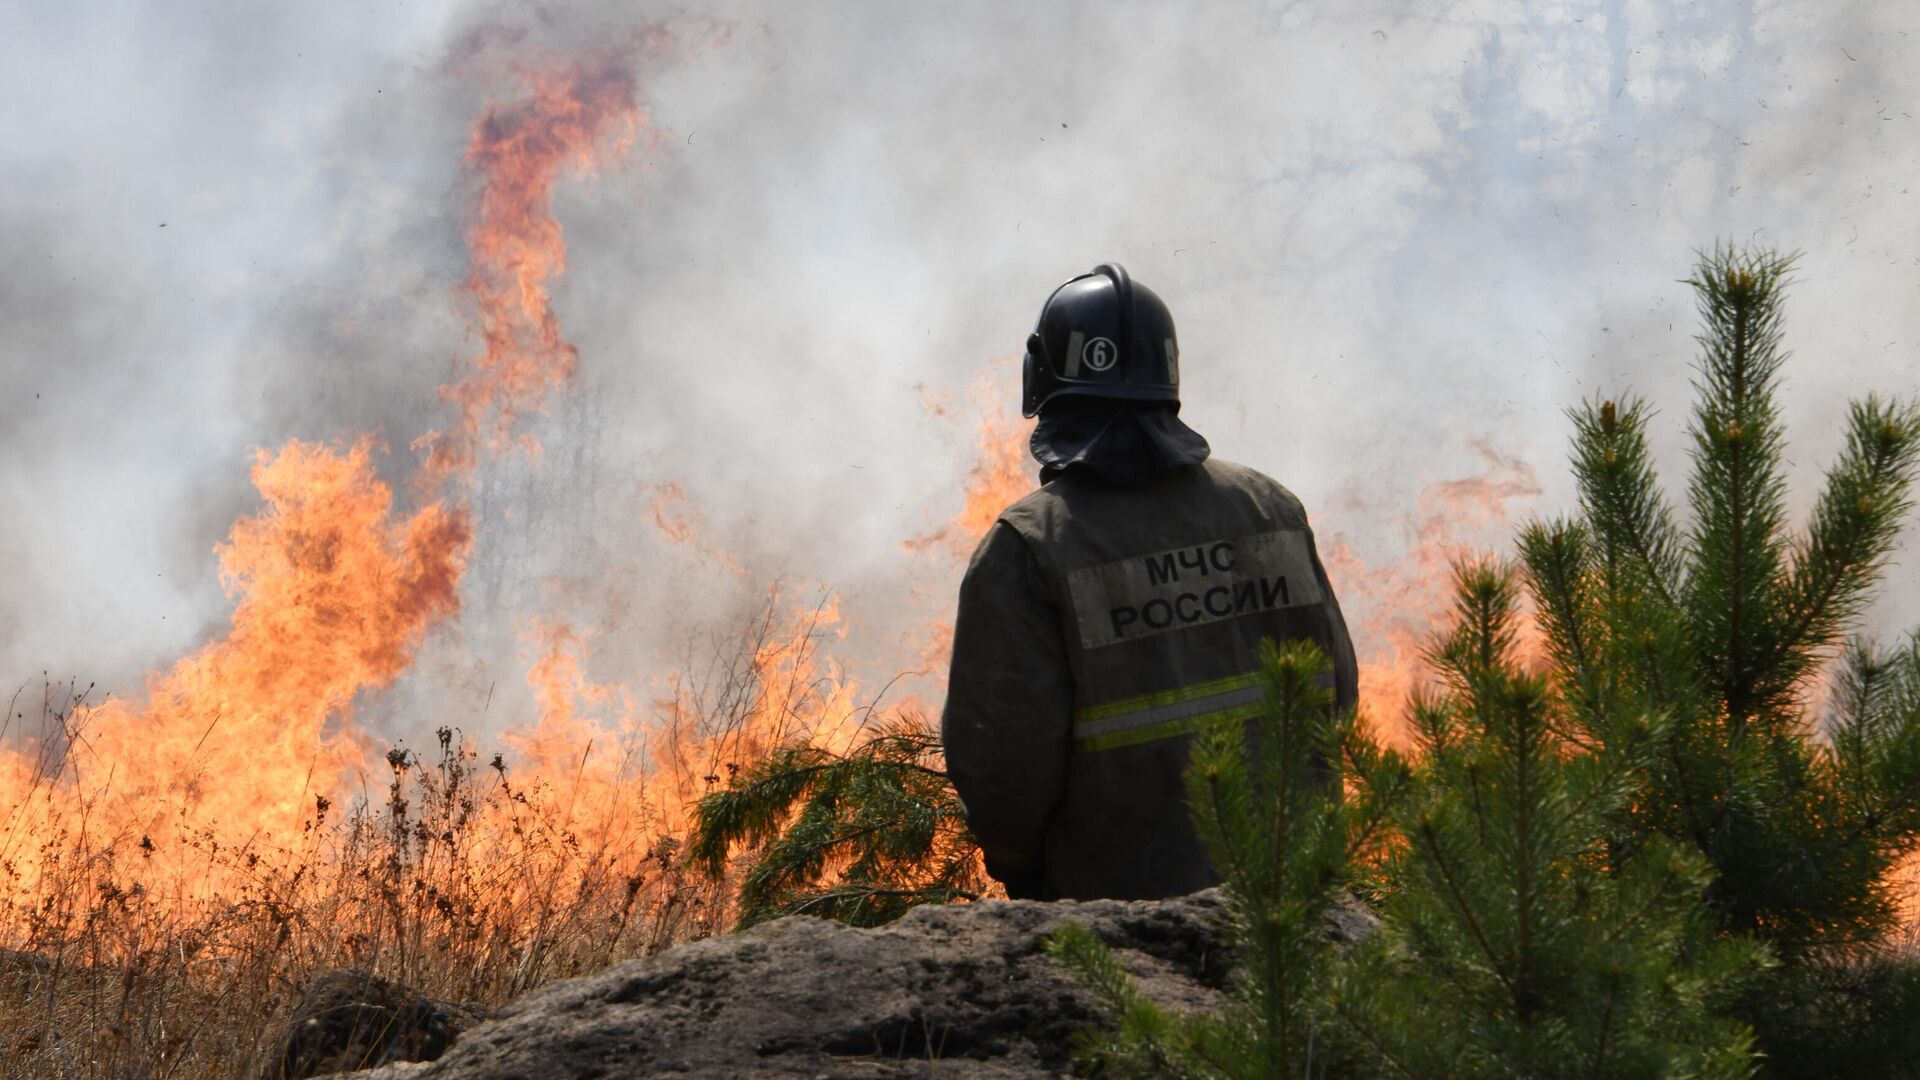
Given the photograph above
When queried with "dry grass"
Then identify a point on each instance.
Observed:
(462, 879)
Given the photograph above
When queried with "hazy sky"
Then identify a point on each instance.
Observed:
(1397, 238)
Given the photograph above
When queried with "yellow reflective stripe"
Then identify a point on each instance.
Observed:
(1212, 703)
(1134, 736)
(1167, 697)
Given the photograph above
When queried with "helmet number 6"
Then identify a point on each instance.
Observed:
(1099, 354)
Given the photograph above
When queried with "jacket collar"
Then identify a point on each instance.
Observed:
(1120, 442)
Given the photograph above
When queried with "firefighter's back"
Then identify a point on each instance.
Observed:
(1116, 611)
(1165, 590)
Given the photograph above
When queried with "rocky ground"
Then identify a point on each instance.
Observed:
(960, 990)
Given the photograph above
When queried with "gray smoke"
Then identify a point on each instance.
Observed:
(1391, 233)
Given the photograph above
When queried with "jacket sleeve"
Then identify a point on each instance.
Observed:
(1346, 670)
(1008, 723)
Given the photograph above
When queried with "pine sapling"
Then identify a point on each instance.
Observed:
(1722, 623)
(1517, 942)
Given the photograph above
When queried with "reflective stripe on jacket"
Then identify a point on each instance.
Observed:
(1099, 627)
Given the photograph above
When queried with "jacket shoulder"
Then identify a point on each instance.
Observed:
(1035, 511)
(1256, 484)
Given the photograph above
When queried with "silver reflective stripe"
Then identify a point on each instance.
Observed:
(1072, 369)
(1173, 362)
(1246, 695)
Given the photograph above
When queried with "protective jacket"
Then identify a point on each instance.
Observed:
(1100, 625)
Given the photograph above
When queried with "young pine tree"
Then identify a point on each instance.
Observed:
(1266, 801)
(859, 837)
(1515, 942)
(1719, 628)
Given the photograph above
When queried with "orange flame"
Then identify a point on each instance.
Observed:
(999, 477)
(334, 594)
(333, 598)
(681, 522)
(520, 150)
(783, 690)
(1002, 473)
(1394, 610)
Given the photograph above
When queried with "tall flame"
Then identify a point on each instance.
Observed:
(334, 592)
(519, 150)
(333, 596)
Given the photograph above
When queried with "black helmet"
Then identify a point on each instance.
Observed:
(1102, 335)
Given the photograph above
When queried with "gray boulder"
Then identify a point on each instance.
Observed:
(350, 1019)
(961, 990)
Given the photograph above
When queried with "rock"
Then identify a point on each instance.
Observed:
(959, 990)
(25, 969)
(354, 1020)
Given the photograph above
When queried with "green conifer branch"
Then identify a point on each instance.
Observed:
(1558, 561)
(1800, 836)
(1860, 689)
(1562, 955)
(1867, 494)
(1735, 575)
(860, 837)
(1875, 743)
(1641, 548)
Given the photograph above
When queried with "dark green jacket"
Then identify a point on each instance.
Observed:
(1099, 626)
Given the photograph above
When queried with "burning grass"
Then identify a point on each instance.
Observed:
(469, 875)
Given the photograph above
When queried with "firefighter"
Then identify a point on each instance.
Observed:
(1117, 610)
